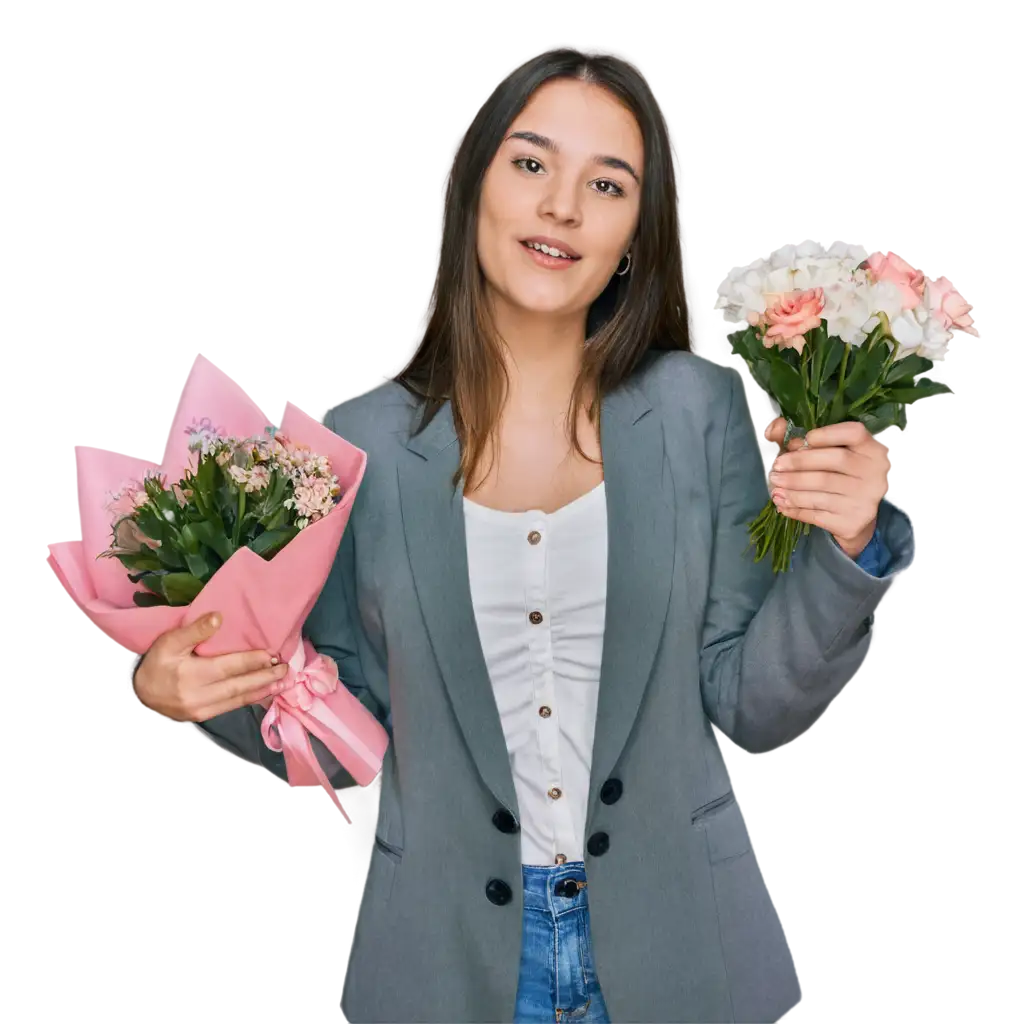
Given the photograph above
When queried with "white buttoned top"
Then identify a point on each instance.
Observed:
(538, 583)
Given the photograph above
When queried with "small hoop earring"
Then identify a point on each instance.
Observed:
(629, 260)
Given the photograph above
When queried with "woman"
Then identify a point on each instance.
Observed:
(553, 633)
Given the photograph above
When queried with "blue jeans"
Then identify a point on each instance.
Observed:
(557, 980)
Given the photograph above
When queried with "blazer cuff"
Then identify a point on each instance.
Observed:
(896, 533)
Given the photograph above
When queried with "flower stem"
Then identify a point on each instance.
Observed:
(237, 536)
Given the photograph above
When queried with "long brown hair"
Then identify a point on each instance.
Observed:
(460, 356)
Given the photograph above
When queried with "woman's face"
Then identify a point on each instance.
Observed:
(571, 181)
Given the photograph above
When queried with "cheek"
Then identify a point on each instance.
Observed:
(495, 230)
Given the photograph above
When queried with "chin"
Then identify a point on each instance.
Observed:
(542, 299)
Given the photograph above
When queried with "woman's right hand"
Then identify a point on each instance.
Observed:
(175, 681)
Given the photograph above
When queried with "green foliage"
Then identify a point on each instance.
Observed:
(176, 540)
(829, 382)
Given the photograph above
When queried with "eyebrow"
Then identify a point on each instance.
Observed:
(549, 144)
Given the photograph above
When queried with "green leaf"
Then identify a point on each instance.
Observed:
(902, 395)
(275, 519)
(213, 536)
(278, 486)
(787, 387)
(181, 588)
(762, 373)
(206, 476)
(744, 343)
(190, 542)
(150, 523)
(270, 542)
(875, 423)
(867, 368)
(143, 559)
(153, 581)
(908, 366)
(167, 504)
(832, 358)
(169, 554)
(198, 566)
(144, 600)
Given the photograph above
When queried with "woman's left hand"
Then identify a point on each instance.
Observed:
(837, 483)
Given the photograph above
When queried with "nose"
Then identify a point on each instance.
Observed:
(561, 201)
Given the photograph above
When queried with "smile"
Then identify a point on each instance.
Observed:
(547, 260)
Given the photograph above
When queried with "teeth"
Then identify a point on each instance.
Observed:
(548, 250)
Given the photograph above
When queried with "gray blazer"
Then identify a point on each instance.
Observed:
(696, 634)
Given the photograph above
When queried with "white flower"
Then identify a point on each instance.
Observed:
(851, 298)
(885, 297)
(919, 333)
(850, 255)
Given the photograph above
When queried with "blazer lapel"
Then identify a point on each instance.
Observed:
(641, 553)
(435, 535)
(641, 559)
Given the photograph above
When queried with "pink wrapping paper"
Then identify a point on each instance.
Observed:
(263, 604)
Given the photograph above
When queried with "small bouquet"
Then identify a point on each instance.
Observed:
(241, 518)
(254, 492)
(834, 336)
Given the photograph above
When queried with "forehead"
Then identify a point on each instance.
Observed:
(582, 119)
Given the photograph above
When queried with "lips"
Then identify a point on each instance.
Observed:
(554, 243)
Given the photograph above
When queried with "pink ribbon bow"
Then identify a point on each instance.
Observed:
(314, 703)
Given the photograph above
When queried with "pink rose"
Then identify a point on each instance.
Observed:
(948, 306)
(909, 280)
(789, 315)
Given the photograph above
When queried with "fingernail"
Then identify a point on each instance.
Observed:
(213, 621)
(274, 660)
(774, 477)
(779, 497)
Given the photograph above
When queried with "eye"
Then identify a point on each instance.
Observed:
(520, 161)
(613, 188)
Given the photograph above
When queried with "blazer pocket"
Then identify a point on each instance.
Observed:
(393, 853)
(722, 823)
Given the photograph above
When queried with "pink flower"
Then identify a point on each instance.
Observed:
(949, 307)
(259, 477)
(314, 496)
(789, 315)
(908, 279)
(127, 500)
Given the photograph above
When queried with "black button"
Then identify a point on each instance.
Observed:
(598, 843)
(498, 891)
(611, 790)
(505, 821)
(567, 887)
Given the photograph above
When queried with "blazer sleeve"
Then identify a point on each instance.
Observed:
(332, 630)
(777, 648)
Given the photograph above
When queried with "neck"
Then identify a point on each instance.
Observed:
(543, 355)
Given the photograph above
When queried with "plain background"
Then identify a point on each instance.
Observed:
(261, 181)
